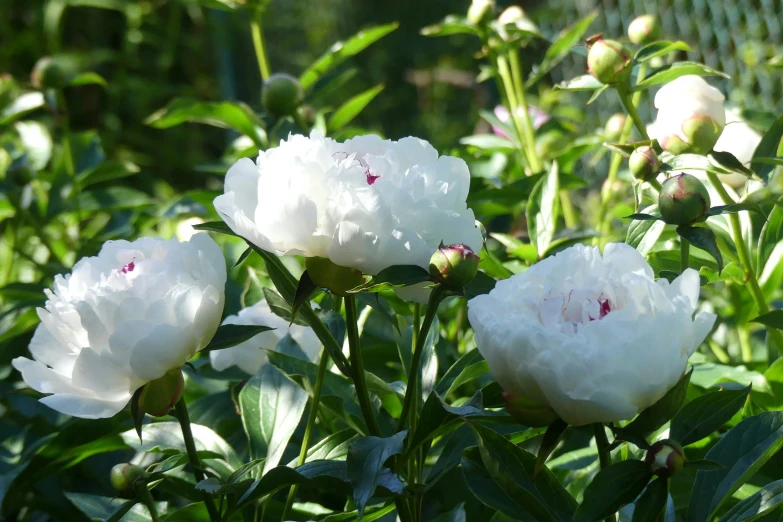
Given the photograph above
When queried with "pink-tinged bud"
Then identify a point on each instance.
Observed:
(335, 278)
(454, 265)
(281, 94)
(48, 74)
(644, 29)
(666, 458)
(608, 61)
(527, 412)
(158, 397)
(683, 200)
(643, 163)
(123, 478)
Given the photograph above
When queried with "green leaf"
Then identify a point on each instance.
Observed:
(366, 457)
(104, 508)
(674, 71)
(771, 235)
(773, 319)
(704, 465)
(612, 488)
(281, 308)
(703, 238)
(662, 411)
(450, 25)
(271, 406)
(586, 82)
(215, 226)
(304, 290)
(643, 217)
(743, 450)
(351, 109)
(22, 105)
(469, 367)
(229, 335)
(437, 417)
(225, 114)
(644, 233)
(756, 505)
(543, 209)
(705, 414)
(562, 45)
(768, 148)
(341, 51)
(394, 277)
(661, 48)
(109, 199)
(549, 442)
(734, 208)
(488, 142)
(728, 161)
(329, 475)
(87, 78)
(513, 469)
(650, 505)
(480, 285)
(487, 490)
(455, 515)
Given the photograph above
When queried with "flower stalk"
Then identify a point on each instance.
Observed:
(258, 44)
(143, 492)
(357, 366)
(685, 248)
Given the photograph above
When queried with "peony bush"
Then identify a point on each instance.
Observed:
(545, 322)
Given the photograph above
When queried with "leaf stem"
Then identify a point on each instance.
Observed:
(143, 492)
(744, 257)
(604, 456)
(685, 249)
(258, 45)
(311, 416)
(181, 411)
(413, 376)
(520, 97)
(357, 366)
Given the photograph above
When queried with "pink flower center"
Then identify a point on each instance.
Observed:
(575, 307)
(369, 176)
(128, 268)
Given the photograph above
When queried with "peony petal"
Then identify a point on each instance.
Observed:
(165, 348)
(85, 407)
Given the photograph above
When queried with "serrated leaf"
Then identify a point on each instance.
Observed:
(743, 450)
(351, 108)
(612, 488)
(662, 411)
(366, 457)
(674, 71)
(705, 414)
(703, 238)
(562, 45)
(661, 48)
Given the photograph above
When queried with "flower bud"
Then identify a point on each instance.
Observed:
(608, 61)
(48, 74)
(454, 265)
(643, 163)
(683, 200)
(644, 29)
(527, 412)
(478, 10)
(335, 278)
(666, 458)
(123, 478)
(614, 127)
(282, 94)
(159, 396)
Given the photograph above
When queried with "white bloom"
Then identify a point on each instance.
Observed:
(122, 319)
(251, 355)
(185, 230)
(366, 203)
(690, 115)
(741, 140)
(594, 338)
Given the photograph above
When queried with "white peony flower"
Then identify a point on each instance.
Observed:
(251, 355)
(741, 140)
(366, 203)
(593, 337)
(122, 319)
(690, 115)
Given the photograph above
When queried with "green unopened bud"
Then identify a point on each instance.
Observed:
(478, 10)
(608, 61)
(454, 265)
(123, 478)
(527, 412)
(644, 29)
(282, 94)
(614, 127)
(666, 458)
(48, 74)
(335, 278)
(159, 396)
(683, 200)
(643, 163)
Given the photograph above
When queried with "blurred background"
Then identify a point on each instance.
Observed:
(151, 51)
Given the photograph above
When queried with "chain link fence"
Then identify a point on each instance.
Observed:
(737, 37)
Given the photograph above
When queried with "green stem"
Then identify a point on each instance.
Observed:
(604, 456)
(630, 107)
(70, 168)
(311, 416)
(507, 85)
(258, 45)
(143, 492)
(746, 351)
(518, 81)
(357, 366)
(413, 376)
(685, 249)
(776, 336)
(181, 410)
(654, 183)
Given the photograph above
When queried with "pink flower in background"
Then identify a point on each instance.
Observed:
(538, 116)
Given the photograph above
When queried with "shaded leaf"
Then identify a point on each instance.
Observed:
(543, 209)
(612, 488)
(660, 48)
(394, 277)
(281, 308)
(705, 414)
(228, 335)
(652, 502)
(351, 108)
(674, 71)
(773, 319)
(366, 457)
(703, 238)
(662, 411)
(756, 505)
(562, 45)
(768, 148)
(304, 290)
